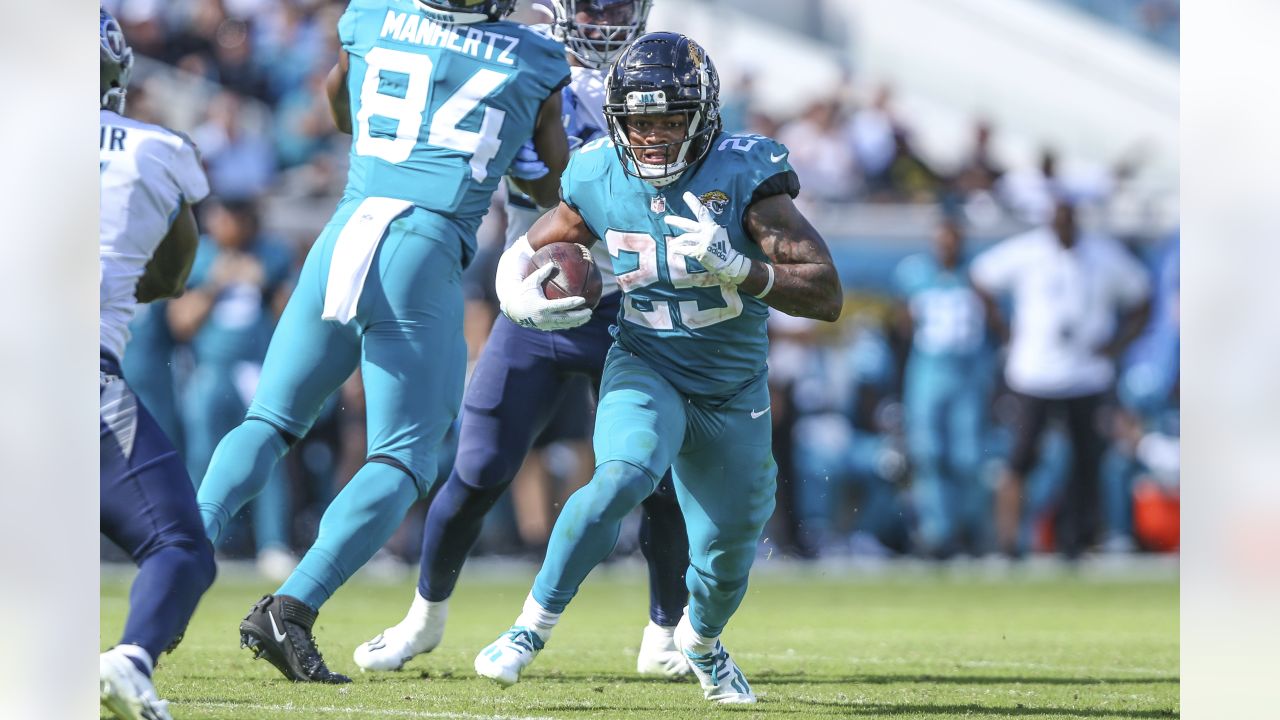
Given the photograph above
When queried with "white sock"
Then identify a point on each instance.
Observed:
(537, 618)
(698, 644)
(425, 616)
(137, 653)
(667, 632)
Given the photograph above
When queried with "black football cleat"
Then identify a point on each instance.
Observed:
(278, 628)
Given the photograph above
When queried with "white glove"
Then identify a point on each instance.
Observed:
(707, 242)
(522, 299)
(527, 165)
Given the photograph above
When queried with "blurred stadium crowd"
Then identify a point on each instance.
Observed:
(892, 432)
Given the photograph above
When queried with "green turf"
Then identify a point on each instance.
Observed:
(814, 644)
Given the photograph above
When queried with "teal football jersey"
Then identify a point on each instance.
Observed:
(706, 339)
(948, 314)
(439, 110)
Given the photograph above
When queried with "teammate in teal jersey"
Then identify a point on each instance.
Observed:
(685, 382)
(439, 95)
(946, 388)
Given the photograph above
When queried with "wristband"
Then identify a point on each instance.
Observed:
(769, 284)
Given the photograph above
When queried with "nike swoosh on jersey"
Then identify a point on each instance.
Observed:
(777, 158)
(275, 629)
(755, 414)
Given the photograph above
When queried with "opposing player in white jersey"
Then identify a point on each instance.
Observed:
(520, 378)
(146, 244)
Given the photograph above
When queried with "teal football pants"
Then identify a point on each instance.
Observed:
(946, 401)
(724, 473)
(406, 338)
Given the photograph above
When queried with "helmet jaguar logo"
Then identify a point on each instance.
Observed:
(715, 201)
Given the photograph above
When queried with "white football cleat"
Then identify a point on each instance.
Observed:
(721, 680)
(419, 632)
(126, 691)
(511, 653)
(659, 654)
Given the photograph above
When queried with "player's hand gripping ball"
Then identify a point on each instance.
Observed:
(575, 273)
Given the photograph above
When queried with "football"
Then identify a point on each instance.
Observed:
(576, 273)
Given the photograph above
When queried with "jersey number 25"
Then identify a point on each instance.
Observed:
(663, 317)
(407, 111)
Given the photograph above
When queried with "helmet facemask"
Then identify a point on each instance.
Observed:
(115, 63)
(596, 31)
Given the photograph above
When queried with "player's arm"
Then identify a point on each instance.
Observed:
(520, 295)
(552, 148)
(1132, 322)
(165, 275)
(335, 86)
(804, 278)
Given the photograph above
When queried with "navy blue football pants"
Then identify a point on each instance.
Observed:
(514, 391)
(147, 506)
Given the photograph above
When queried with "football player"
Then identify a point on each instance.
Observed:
(439, 95)
(704, 238)
(946, 388)
(520, 379)
(146, 244)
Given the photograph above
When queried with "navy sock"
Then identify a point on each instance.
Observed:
(452, 526)
(665, 546)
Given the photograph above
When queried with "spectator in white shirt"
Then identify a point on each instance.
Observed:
(1067, 288)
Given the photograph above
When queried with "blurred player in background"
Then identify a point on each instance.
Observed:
(685, 382)
(946, 391)
(522, 377)
(146, 244)
(439, 95)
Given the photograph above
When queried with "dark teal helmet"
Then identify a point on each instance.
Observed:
(116, 62)
(466, 11)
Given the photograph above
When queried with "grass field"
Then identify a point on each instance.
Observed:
(814, 642)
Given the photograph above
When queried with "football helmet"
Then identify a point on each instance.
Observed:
(464, 12)
(663, 73)
(595, 31)
(115, 62)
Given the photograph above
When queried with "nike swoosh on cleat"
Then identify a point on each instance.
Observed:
(777, 158)
(275, 630)
(755, 414)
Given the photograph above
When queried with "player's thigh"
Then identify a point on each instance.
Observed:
(925, 399)
(513, 390)
(146, 498)
(308, 358)
(726, 485)
(415, 357)
(1030, 417)
(640, 418)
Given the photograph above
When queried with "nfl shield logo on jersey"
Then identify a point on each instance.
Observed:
(658, 203)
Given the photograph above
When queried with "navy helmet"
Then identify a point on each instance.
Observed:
(115, 62)
(663, 73)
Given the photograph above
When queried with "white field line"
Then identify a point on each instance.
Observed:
(944, 665)
(355, 711)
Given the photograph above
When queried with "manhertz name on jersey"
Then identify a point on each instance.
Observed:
(438, 110)
(706, 339)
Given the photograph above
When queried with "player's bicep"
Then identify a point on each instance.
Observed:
(549, 138)
(166, 273)
(335, 86)
(784, 234)
(560, 224)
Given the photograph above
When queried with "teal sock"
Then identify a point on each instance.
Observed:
(239, 469)
(358, 522)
